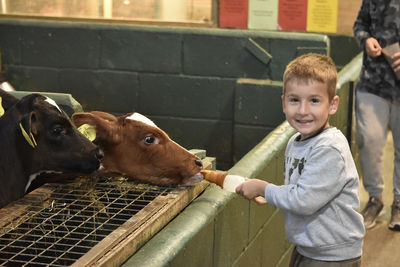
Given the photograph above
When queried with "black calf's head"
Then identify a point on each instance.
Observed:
(49, 134)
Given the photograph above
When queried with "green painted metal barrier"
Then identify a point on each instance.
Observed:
(65, 101)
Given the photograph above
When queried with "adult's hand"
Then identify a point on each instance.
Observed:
(372, 47)
(396, 61)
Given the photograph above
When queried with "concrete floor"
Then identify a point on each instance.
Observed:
(381, 245)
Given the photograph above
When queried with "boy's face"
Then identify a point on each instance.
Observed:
(307, 106)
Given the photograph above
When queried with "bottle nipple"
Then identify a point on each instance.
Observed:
(214, 177)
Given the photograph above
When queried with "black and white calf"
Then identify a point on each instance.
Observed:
(36, 136)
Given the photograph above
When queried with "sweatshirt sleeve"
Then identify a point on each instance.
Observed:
(323, 177)
(362, 24)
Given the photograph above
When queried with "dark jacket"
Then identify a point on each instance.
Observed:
(379, 19)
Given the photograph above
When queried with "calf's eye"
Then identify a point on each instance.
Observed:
(58, 130)
(149, 139)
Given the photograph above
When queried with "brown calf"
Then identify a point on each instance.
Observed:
(134, 146)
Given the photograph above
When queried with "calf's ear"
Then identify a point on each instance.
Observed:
(7, 100)
(83, 118)
(105, 130)
(86, 125)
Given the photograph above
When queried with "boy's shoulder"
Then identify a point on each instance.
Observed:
(331, 133)
(333, 139)
(329, 137)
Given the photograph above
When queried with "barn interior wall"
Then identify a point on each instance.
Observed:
(187, 80)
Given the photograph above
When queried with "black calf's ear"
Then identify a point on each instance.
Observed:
(7, 100)
(26, 129)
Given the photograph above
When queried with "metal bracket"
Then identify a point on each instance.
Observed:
(257, 51)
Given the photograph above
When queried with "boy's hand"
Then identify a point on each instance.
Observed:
(372, 47)
(253, 189)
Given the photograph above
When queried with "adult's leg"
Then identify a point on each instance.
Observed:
(394, 223)
(395, 127)
(372, 113)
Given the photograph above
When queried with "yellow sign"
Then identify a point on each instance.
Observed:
(322, 15)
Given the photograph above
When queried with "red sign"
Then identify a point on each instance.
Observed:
(292, 15)
(233, 13)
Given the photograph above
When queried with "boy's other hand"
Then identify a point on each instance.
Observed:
(253, 189)
(372, 47)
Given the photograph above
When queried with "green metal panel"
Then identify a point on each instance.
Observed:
(65, 101)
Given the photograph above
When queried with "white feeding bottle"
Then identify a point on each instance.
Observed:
(228, 182)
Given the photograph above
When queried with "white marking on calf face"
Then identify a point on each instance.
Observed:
(52, 102)
(198, 177)
(101, 168)
(139, 117)
(33, 177)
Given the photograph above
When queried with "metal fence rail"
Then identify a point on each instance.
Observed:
(60, 223)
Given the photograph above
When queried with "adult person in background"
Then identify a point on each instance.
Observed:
(378, 102)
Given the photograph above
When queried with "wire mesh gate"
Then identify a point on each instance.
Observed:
(87, 222)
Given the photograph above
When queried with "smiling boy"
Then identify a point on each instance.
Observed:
(320, 195)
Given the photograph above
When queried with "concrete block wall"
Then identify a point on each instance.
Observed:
(200, 85)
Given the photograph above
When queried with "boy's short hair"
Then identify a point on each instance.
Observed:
(312, 67)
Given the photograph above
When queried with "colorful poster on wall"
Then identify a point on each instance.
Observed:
(292, 15)
(322, 16)
(263, 14)
(233, 13)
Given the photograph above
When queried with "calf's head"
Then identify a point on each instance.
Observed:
(48, 134)
(134, 146)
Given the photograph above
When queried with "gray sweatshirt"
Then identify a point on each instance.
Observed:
(320, 197)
